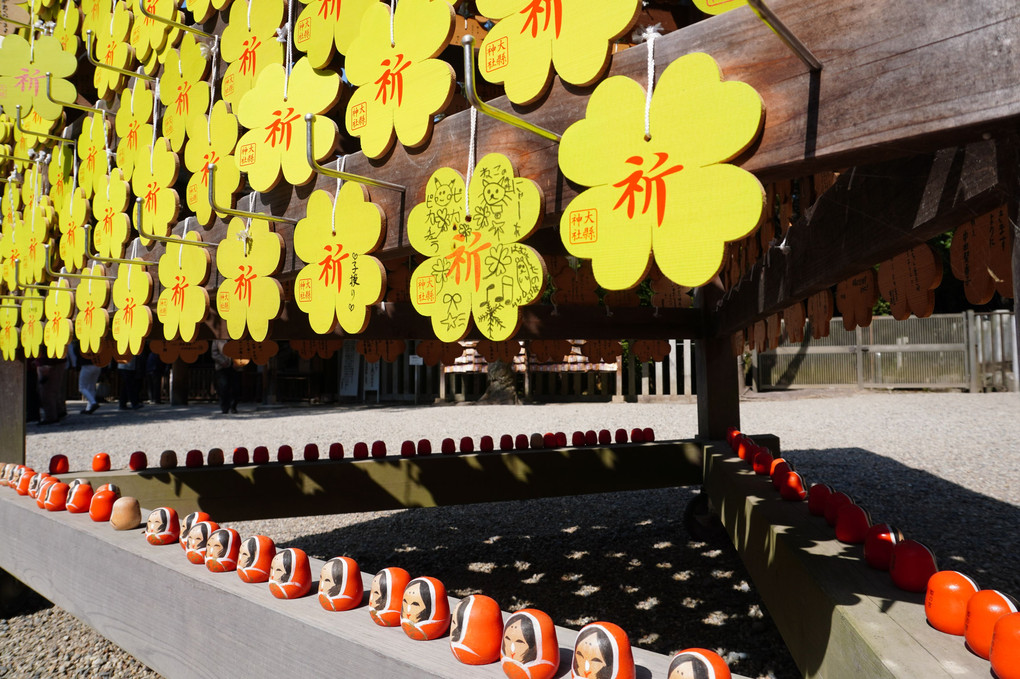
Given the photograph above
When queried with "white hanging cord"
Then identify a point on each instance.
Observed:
(471, 163)
(67, 10)
(180, 248)
(393, 11)
(134, 253)
(649, 34)
(113, 15)
(249, 16)
(285, 35)
(341, 163)
(212, 84)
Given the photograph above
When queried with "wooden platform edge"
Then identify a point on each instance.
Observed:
(839, 617)
(312, 488)
(181, 620)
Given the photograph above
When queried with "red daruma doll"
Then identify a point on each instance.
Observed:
(340, 586)
(198, 540)
(290, 576)
(530, 649)
(476, 629)
(222, 550)
(162, 526)
(425, 610)
(698, 663)
(387, 596)
(255, 558)
(189, 521)
(602, 651)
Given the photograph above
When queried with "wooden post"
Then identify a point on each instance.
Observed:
(688, 392)
(1013, 211)
(718, 397)
(12, 424)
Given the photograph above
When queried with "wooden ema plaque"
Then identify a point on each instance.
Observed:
(855, 299)
(908, 282)
(982, 257)
(819, 312)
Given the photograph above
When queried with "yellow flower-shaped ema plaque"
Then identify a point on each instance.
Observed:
(59, 173)
(109, 209)
(23, 75)
(31, 323)
(183, 304)
(672, 196)
(92, 152)
(202, 10)
(73, 215)
(133, 319)
(401, 85)
(57, 332)
(154, 179)
(67, 27)
(476, 267)
(90, 298)
(183, 90)
(9, 249)
(150, 37)
(534, 36)
(341, 280)
(249, 44)
(276, 141)
(8, 330)
(111, 48)
(325, 23)
(211, 140)
(249, 297)
(31, 235)
(134, 126)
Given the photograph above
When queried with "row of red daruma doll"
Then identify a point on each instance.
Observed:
(138, 460)
(988, 620)
(525, 644)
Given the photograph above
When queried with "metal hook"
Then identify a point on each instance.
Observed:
(4, 156)
(12, 22)
(17, 125)
(238, 213)
(29, 286)
(785, 34)
(337, 174)
(171, 22)
(11, 297)
(68, 104)
(98, 64)
(110, 260)
(472, 96)
(65, 274)
(163, 239)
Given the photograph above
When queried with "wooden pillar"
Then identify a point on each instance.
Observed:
(718, 396)
(1013, 211)
(12, 424)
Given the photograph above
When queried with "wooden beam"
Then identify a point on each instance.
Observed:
(839, 617)
(716, 373)
(869, 215)
(181, 620)
(231, 493)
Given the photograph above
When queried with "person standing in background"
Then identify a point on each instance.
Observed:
(50, 374)
(154, 371)
(228, 381)
(128, 384)
(88, 377)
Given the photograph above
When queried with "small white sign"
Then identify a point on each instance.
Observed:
(415, 359)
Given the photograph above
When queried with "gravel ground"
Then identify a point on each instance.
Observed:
(922, 461)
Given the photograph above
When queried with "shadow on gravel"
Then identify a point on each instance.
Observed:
(967, 531)
(582, 559)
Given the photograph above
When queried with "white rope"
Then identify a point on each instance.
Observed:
(67, 10)
(180, 248)
(649, 35)
(285, 35)
(471, 162)
(393, 11)
(341, 163)
(212, 84)
(249, 15)
(113, 15)
(134, 253)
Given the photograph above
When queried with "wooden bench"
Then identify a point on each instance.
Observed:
(182, 620)
(839, 617)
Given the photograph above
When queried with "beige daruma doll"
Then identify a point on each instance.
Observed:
(387, 595)
(162, 527)
(290, 576)
(530, 649)
(602, 651)
(476, 630)
(340, 585)
(255, 558)
(425, 610)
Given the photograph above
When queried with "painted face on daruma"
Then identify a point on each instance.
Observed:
(690, 666)
(415, 607)
(386, 596)
(189, 521)
(254, 558)
(593, 658)
(340, 585)
(162, 526)
(289, 575)
(519, 640)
